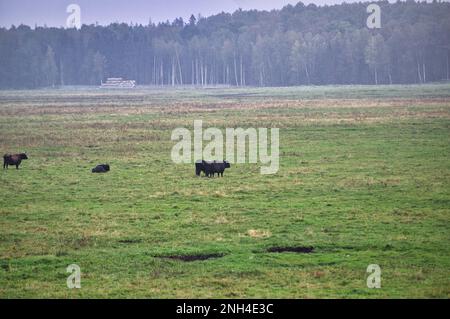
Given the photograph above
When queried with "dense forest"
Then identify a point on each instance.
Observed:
(297, 45)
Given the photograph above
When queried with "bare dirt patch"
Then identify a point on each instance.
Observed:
(295, 249)
(188, 258)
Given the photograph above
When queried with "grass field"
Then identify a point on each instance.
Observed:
(364, 179)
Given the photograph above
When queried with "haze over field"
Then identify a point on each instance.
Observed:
(115, 134)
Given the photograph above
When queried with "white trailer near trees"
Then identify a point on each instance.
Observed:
(118, 83)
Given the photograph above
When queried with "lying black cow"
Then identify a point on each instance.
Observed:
(13, 159)
(211, 168)
(102, 168)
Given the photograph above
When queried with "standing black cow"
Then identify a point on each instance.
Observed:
(13, 159)
(211, 168)
(219, 167)
(199, 167)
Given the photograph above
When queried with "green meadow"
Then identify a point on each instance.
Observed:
(364, 179)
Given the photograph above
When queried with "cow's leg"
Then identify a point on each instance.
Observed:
(17, 166)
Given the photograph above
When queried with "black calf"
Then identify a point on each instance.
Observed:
(102, 168)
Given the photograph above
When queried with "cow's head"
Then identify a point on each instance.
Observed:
(227, 164)
(199, 167)
(23, 156)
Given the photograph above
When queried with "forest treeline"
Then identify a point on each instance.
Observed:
(297, 45)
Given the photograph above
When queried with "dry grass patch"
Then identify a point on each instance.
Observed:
(259, 233)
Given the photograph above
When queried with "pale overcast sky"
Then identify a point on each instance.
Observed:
(53, 12)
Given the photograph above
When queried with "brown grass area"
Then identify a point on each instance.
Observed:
(127, 108)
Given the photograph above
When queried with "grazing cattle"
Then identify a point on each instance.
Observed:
(13, 159)
(211, 168)
(102, 168)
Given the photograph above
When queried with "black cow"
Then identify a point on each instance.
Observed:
(199, 167)
(219, 167)
(211, 168)
(102, 168)
(13, 159)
